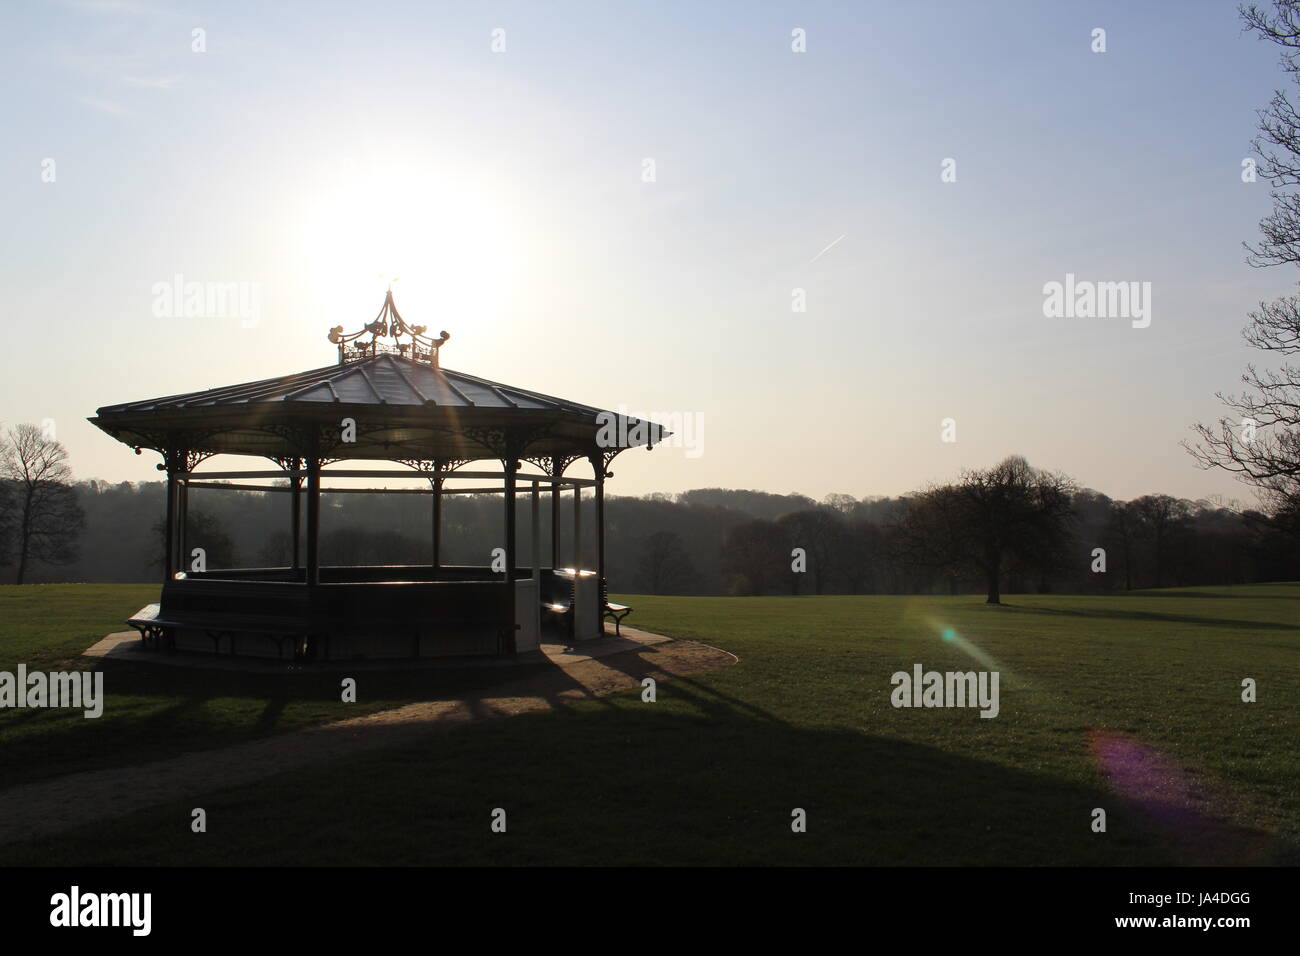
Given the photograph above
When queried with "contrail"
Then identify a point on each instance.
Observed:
(824, 251)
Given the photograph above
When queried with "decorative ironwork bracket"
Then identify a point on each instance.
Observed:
(435, 469)
(552, 466)
(307, 441)
(606, 457)
(507, 444)
(181, 451)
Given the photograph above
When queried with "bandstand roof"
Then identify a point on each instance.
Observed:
(405, 406)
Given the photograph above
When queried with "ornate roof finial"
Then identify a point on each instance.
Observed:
(388, 324)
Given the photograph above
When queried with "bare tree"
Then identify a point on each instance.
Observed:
(1015, 510)
(664, 564)
(820, 532)
(838, 501)
(754, 556)
(935, 533)
(1260, 440)
(1160, 517)
(865, 556)
(1122, 524)
(276, 551)
(6, 505)
(47, 520)
(202, 530)
(992, 518)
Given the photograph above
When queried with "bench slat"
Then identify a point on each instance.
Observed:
(145, 615)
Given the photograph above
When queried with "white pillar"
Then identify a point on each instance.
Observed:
(537, 537)
(577, 528)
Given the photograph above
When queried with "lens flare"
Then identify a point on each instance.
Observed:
(1169, 795)
(950, 635)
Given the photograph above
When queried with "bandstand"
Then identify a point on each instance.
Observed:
(386, 399)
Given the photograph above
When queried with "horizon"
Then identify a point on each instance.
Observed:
(1230, 504)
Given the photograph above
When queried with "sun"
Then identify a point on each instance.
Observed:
(449, 234)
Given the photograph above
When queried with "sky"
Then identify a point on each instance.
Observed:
(625, 204)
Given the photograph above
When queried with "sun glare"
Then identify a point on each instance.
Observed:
(450, 235)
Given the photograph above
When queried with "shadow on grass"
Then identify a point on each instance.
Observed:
(699, 778)
(155, 711)
(1224, 595)
(631, 786)
(1135, 615)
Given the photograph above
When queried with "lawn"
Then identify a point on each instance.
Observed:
(157, 712)
(1131, 703)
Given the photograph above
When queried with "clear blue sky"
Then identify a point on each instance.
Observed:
(318, 150)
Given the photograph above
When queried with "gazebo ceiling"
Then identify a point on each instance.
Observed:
(404, 408)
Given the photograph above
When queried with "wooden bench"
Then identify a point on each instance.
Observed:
(157, 630)
(153, 632)
(616, 612)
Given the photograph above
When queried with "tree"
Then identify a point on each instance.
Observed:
(1015, 511)
(665, 566)
(754, 556)
(277, 551)
(7, 498)
(1260, 440)
(865, 556)
(1160, 518)
(935, 533)
(992, 518)
(47, 520)
(844, 504)
(202, 530)
(354, 545)
(820, 532)
(1123, 527)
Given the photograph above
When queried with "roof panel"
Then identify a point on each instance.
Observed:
(382, 380)
(420, 402)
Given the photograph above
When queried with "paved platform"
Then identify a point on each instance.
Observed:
(126, 646)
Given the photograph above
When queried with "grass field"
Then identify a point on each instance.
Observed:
(1131, 703)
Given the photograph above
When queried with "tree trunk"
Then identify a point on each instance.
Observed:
(995, 592)
(24, 537)
(22, 560)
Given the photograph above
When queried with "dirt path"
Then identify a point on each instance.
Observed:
(48, 806)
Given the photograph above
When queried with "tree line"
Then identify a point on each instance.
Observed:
(1007, 528)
